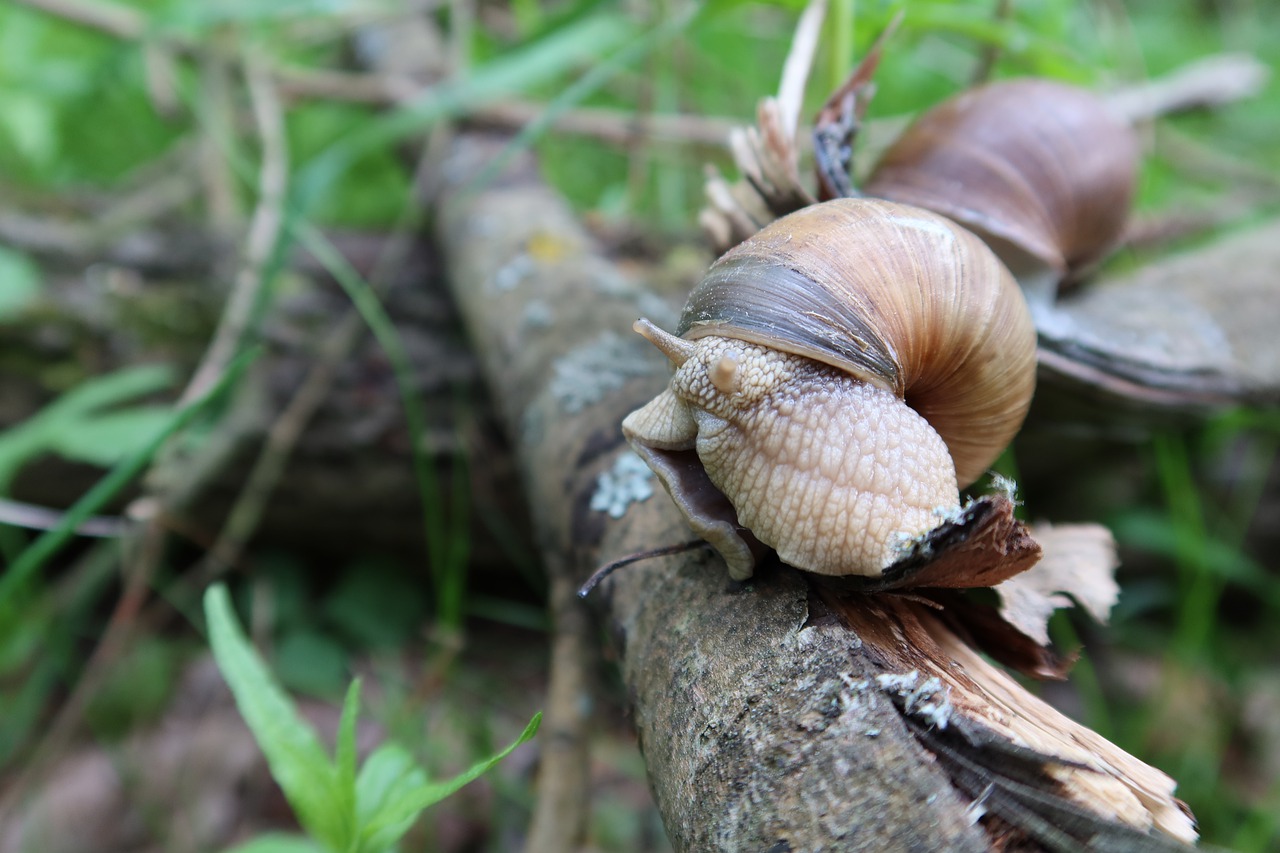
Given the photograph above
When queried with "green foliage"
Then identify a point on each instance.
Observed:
(56, 81)
(373, 605)
(19, 283)
(137, 688)
(546, 59)
(91, 423)
(24, 568)
(342, 810)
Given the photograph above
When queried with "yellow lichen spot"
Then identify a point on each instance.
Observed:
(547, 248)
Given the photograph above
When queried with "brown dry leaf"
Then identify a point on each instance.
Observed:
(767, 154)
(1079, 563)
(768, 159)
(1205, 334)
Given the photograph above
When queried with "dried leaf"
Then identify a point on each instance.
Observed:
(1079, 561)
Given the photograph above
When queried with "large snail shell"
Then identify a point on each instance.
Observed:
(785, 422)
(894, 295)
(1043, 171)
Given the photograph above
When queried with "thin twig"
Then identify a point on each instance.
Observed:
(264, 232)
(1213, 81)
(281, 439)
(251, 503)
(33, 517)
(560, 814)
(92, 233)
(217, 140)
(620, 127)
(297, 83)
(798, 64)
(160, 69)
(991, 51)
(149, 204)
(114, 640)
(119, 21)
(615, 126)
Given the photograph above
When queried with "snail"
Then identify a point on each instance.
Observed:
(1042, 171)
(839, 377)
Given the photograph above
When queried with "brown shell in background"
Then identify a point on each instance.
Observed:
(1043, 171)
(894, 295)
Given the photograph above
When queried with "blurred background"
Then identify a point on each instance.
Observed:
(226, 354)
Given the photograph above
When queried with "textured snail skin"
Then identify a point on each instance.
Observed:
(1041, 170)
(786, 414)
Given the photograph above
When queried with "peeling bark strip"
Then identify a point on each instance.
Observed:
(762, 710)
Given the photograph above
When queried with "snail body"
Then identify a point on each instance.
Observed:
(1044, 172)
(839, 377)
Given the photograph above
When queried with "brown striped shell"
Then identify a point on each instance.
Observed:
(894, 295)
(1043, 171)
(785, 423)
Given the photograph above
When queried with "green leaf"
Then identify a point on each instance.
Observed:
(19, 282)
(402, 801)
(345, 749)
(111, 389)
(105, 439)
(31, 124)
(375, 605)
(310, 662)
(294, 753)
(388, 776)
(59, 420)
(278, 842)
(34, 557)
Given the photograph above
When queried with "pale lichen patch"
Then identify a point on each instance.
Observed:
(1005, 486)
(628, 481)
(928, 700)
(513, 272)
(537, 314)
(582, 376)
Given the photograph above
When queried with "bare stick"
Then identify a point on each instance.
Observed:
(1209, 82)
(32, 517)
(799, 62)
(217, 143)
(991, 52)
(113, 19)
(264, 231)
